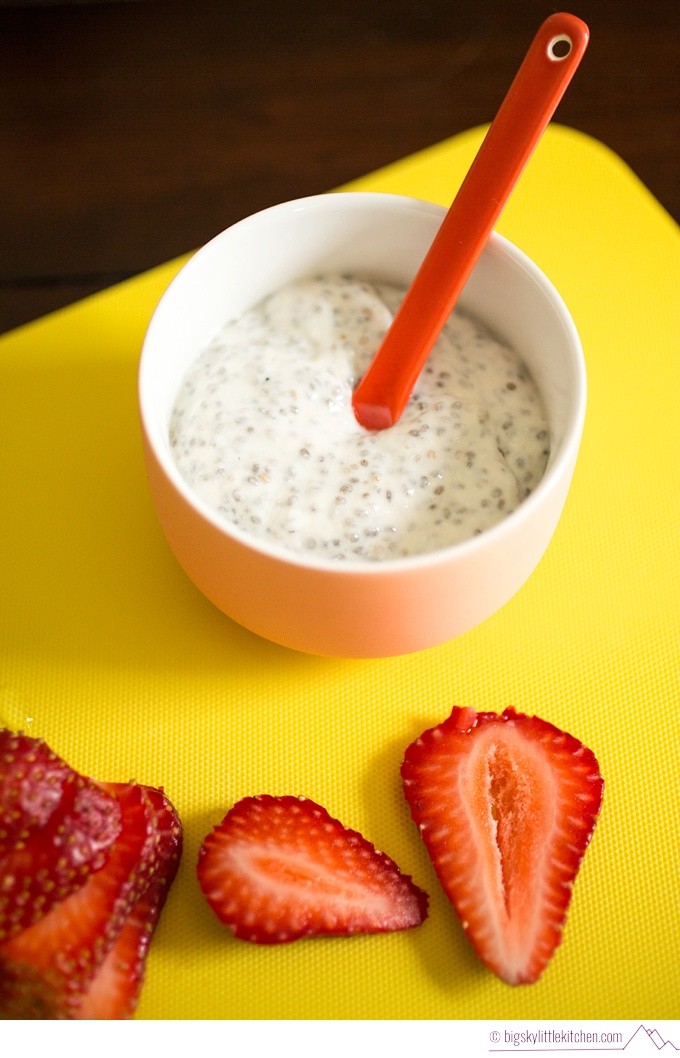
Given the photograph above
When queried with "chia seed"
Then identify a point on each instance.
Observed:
(476, 417)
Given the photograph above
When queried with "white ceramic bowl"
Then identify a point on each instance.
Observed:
(356, 609)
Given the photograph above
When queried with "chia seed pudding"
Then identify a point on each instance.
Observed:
(263, 428)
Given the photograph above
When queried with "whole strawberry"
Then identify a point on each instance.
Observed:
(506, 805)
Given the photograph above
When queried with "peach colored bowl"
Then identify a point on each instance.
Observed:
(355, 609)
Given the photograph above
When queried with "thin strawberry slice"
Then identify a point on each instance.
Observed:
(46, 968)
(506, 805)
(56, 860)
(114, 991)
(280, 868)
(56, 827)
(32, 783)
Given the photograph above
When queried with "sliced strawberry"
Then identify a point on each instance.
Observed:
(32, 782)
(114, 991)
(55, 861)
(56, 827)
(46, 968)
(506, 806)
(280, 868)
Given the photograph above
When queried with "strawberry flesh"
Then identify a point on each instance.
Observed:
(56, 826)
(506, 805)
(46, 864)
(114, 991)
(58, 955)
(84, 955)
(281, 868)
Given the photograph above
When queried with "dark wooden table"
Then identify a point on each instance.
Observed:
(132, 132)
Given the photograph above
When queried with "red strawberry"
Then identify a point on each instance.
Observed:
(32, 781)
(506, 806)
(280, 868)
(114, 991)
(56, 827)
(47, 969)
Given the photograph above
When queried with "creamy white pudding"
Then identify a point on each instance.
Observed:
(263, 428)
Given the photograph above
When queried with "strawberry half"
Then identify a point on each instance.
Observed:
(280, 868)
(506, 806)
(56, 827)
(49, 969)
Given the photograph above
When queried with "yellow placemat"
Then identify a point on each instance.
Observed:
(115, 658)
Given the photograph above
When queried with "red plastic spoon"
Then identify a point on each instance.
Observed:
(548, 67)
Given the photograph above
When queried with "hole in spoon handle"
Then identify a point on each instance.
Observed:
(549, 65)
(559, 47)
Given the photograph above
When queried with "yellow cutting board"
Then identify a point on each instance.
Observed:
(116, 659)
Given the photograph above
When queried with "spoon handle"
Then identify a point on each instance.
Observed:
(540, 83)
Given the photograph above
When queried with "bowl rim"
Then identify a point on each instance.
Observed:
(555, 471)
